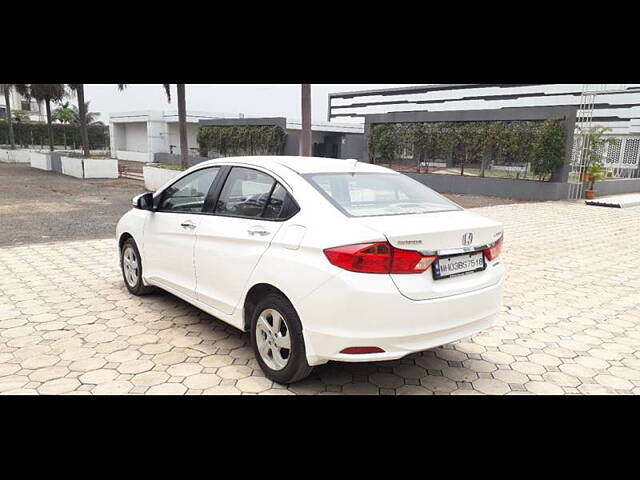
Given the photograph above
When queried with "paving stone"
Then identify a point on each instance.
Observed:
(113, 388)
(561, 379)
(170, 358)
(222, 390)
(87, 364)
(510, 376)
(216, 361)
(202, 381)
(616, 383)
(460, 374)
(149, 379)
(625, 373)
(360, 389)
(167, 389)
(544, 388)
(491, 386)
(98, 376)
(40, 361)
(386, 380)
(122, 356)
(413, 390)
(135, 366)
(12, 382)
(184, 369)
(480, 366)
(59, 386)
(234, 372)
(254, 384)
(48, 373)
(528, 368)
(438, 384)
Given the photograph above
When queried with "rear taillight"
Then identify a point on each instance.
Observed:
(494, 251)
(379, 257)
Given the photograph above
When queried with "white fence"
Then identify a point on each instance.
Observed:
(621, 156)
(15, 156)
(155, 178)
(89, 167)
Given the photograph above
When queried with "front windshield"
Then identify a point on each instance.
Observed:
(377, 194)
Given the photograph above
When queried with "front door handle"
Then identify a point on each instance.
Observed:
(258, 231)
(188, 225)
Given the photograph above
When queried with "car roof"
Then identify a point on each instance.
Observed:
(303, 165)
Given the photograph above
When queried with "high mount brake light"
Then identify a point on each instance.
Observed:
(380, 257)
(493, 252)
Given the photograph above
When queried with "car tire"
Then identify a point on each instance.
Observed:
(131, 266)
(266, 346)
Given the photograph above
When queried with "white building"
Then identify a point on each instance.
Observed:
(617, 107)
(138, 136)
(36, 111)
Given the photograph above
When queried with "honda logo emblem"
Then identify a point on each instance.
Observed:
(467, 239)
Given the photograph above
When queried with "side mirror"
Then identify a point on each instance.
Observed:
(144, 201)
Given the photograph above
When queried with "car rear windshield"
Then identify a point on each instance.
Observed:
(378, 194)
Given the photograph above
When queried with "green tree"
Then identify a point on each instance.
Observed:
(91, 118)
(6, 88)
(47, 93)
(473, 137)
(548, 149)
(384, 143)
(594, 141)
(64, 115)
(20, 116)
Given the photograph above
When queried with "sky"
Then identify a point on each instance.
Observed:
(282, 100)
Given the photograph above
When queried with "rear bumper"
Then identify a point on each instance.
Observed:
(376, 316)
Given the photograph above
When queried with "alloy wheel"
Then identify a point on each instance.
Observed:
(273, 340)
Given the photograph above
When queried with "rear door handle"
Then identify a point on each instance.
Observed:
(258, 231)
(188, 225)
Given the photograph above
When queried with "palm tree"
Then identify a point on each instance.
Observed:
(182, 123)
(6, 87)
(64, 115)
(47, 93)
(84, 135)
(91, 118)
(182, 119)
(305, 134)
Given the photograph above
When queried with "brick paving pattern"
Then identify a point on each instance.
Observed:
(570, 323)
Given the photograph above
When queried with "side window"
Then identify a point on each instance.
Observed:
(189, 194)
(245, 193)
(281, 205)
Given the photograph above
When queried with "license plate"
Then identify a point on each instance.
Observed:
(446, 267)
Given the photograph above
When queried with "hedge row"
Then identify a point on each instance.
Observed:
(539, 145)
(26, 134)
(241, 140)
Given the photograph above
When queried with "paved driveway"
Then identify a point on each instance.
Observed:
(570, 323)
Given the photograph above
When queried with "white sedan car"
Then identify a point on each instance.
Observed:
(319, 259)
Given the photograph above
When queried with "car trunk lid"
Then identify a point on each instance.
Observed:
(443, 234)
